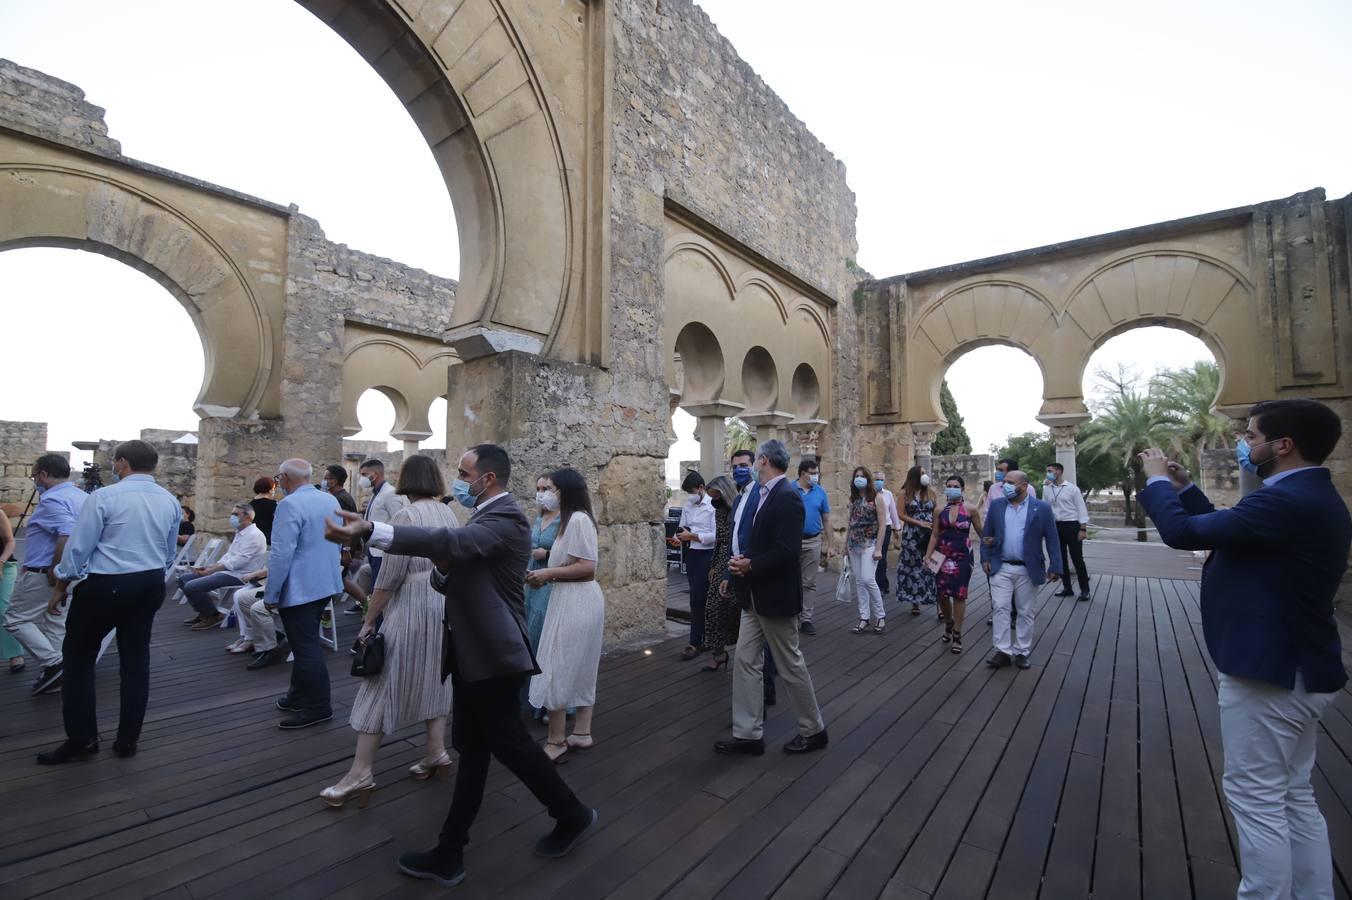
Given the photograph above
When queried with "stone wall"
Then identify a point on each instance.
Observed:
(177, 468)
(972, 468)
(53, 109)
(1218, 476)
(20, 444)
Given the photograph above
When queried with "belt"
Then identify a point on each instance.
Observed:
(41, 570)
(1013, 562)
(808, 537)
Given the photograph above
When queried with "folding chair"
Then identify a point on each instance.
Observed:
(213, 551)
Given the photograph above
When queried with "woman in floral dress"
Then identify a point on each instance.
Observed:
(915, 583)
(721, 615)
(953, 539)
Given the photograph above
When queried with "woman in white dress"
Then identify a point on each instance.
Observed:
(570, 646)
(409, 688)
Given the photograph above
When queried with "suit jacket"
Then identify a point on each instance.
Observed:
(302, 566)
(774, 587)
(485, 589)
(1267, 588)
(1039, 528)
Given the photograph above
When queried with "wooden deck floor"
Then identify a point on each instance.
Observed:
(1093, 774)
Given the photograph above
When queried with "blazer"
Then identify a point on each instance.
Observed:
(485, 589)
(1277, 559)
(1039, 528)
(302, 566)
(774, 587)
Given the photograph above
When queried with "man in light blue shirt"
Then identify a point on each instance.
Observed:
(304, 572)
(123, 543)
(40, 632)
(1016, 532)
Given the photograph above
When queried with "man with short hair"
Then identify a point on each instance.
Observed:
(1277, 560)
(995, 492)
(764, 574)
(1072, 524)
(741, 461)
(1011, 554)
(122, 546)
(248, 552)
(335, 476)
(304, 574)
(816, 529)
(481, 567)
(382, 506)
(40, 631)
(892, 526)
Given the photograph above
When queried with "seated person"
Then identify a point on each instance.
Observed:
(186, 528)
(261, 625)
(248, 552)
(240, 601)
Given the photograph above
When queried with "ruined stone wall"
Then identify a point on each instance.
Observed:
(1218, 476)
(53, 109)
(20, 444)
(177, 468)
(972, 468)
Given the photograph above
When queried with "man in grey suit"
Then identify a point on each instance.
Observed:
(481, 567)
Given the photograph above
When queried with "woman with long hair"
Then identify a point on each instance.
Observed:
(409, 688)
(570, 644)
(697, 533)
(864, 545)
(915, 583)
(952, 536)
(721, 614)
(542, 536)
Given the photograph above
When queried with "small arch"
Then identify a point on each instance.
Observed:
(701, 363)
(811, 314)
(754, 280)
(695, 247)
(806, 392)
(760, 380)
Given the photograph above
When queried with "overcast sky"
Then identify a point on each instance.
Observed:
(967, 130)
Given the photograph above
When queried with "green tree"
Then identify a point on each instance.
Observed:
(953, 440)
(737, 436)
(1127, 423)
(1033, 449)
(1188, 395)
(1095, 470)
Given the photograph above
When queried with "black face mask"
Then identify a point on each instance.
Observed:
(719, 503)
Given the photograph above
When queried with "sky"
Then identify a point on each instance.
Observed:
(967, 130)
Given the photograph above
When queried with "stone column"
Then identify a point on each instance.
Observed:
(1064, 437)
(712, 434)
(807, 435)
(411, 440)
(922, 442)
(769, 426)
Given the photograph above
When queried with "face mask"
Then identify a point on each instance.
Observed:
(741, 475)
(953, 494)
(460, 489)
(364, 483)
(1243, 451)
(860, 482)
(719, 503)
(878, 484)
(1051, 476)
(1010, 491)
(234, 522)
(924, 481)
(814, 479)
(37, 486)
(547, 500)
(999, 477)
(281, 489)
(693, 497)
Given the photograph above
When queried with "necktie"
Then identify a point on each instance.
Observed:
(748, 516)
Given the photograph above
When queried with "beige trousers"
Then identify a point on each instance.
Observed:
(780, 634)
(810, 561)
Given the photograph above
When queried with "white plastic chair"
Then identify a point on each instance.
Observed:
(213, 551)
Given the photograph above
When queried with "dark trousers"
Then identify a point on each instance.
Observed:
(374, 563)
(1072, 550)
(102, 603)
(309, 676)
(697, 563)
(486, 723)
(884, 585)
(198, 590)
(768, 673)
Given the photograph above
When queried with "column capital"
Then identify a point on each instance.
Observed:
(1064, 436)
(775, 419)
(808, 432)
(720, 408)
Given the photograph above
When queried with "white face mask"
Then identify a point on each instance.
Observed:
(924, 481)
(815, 479)
(364, 483)
(547, 500)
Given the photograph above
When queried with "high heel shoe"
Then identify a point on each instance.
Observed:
(440, 767)
(556, 752)
(716, 663)
(880, 627)
(577, 741)
(336, 796)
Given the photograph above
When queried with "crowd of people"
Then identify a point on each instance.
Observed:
(500, 620)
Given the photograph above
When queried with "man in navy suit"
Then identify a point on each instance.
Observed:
(1018, 526)
(1267, 613)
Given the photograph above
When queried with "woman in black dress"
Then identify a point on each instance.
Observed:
(721, 614)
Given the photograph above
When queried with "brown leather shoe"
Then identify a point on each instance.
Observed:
(209, 623)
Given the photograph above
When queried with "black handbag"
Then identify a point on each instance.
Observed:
(369, 657)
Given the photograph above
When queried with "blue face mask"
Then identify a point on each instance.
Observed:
(40, 488)
(460, 489)
(953, 494)
(861, 482)
(1010, 491)
(877, 484)
(234, 522)
(1242, 451)
(999, 477)
(741, 475)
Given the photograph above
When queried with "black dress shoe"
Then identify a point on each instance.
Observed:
(68, 751)
(262, 660)
(304, 720)
(1065, 593)
(1021, 661)
(567, 834)
(802, 744)
(1084, 595)
(124, 749)
(807, 628)
(49, 679)
(741, 747)
(998, 660)
(445, 868)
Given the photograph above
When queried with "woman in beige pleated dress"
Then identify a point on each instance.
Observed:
(410, 687)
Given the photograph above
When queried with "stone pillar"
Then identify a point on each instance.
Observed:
(1064, 437)
(922, 441)
(769, 426)
(411, 440)
(712, 434)
(231, 453)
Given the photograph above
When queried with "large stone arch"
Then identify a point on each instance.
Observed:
(58, 206)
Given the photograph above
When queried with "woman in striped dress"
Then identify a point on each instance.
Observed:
(409, 688)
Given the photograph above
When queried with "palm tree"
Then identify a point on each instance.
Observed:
(1188, 395)
(738, 436)
(1128, 423)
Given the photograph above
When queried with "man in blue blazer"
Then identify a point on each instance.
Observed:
(1017, 528)
(1277, 559)
(304, 572)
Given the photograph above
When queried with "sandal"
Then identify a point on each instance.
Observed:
(690, 652)
(915, 609)
(860, 628)
(956, 646)
(716, 662)
(948, 634)
(880, 627)
(576, 741)
(556, 755)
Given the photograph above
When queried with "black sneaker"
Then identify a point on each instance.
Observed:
(49, 680)
(1084, 595)
(445, 869)
(304, 720)
(741, 747)
(801, 744)
(807, 628)
(356, 610)
(285, 705)
(68, 751)
(998, 660)
(565, 836)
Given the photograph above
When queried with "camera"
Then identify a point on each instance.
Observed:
(90, 478)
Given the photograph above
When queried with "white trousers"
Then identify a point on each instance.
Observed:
(40, 632)
(1012, 585)
(258, 625)
(864, 568)
(1269, 737)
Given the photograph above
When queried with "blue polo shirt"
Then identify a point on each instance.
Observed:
(815, 505)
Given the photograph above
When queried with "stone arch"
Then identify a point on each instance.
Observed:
(754, 284)
(805, 396)
(701, 362)
(95, 212)
(411, 381)
(760, 380)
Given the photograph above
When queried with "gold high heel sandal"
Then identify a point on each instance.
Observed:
(440, 767)
(336, 796)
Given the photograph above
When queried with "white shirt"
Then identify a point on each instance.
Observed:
(248, 552)
(1067, 502)
(697, 516)
(382, 506)
(890, 501)
(382, 534)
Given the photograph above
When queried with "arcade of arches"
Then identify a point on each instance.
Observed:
(643, 225)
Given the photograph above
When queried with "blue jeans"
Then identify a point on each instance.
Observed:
(309, 676)
(198, 590)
